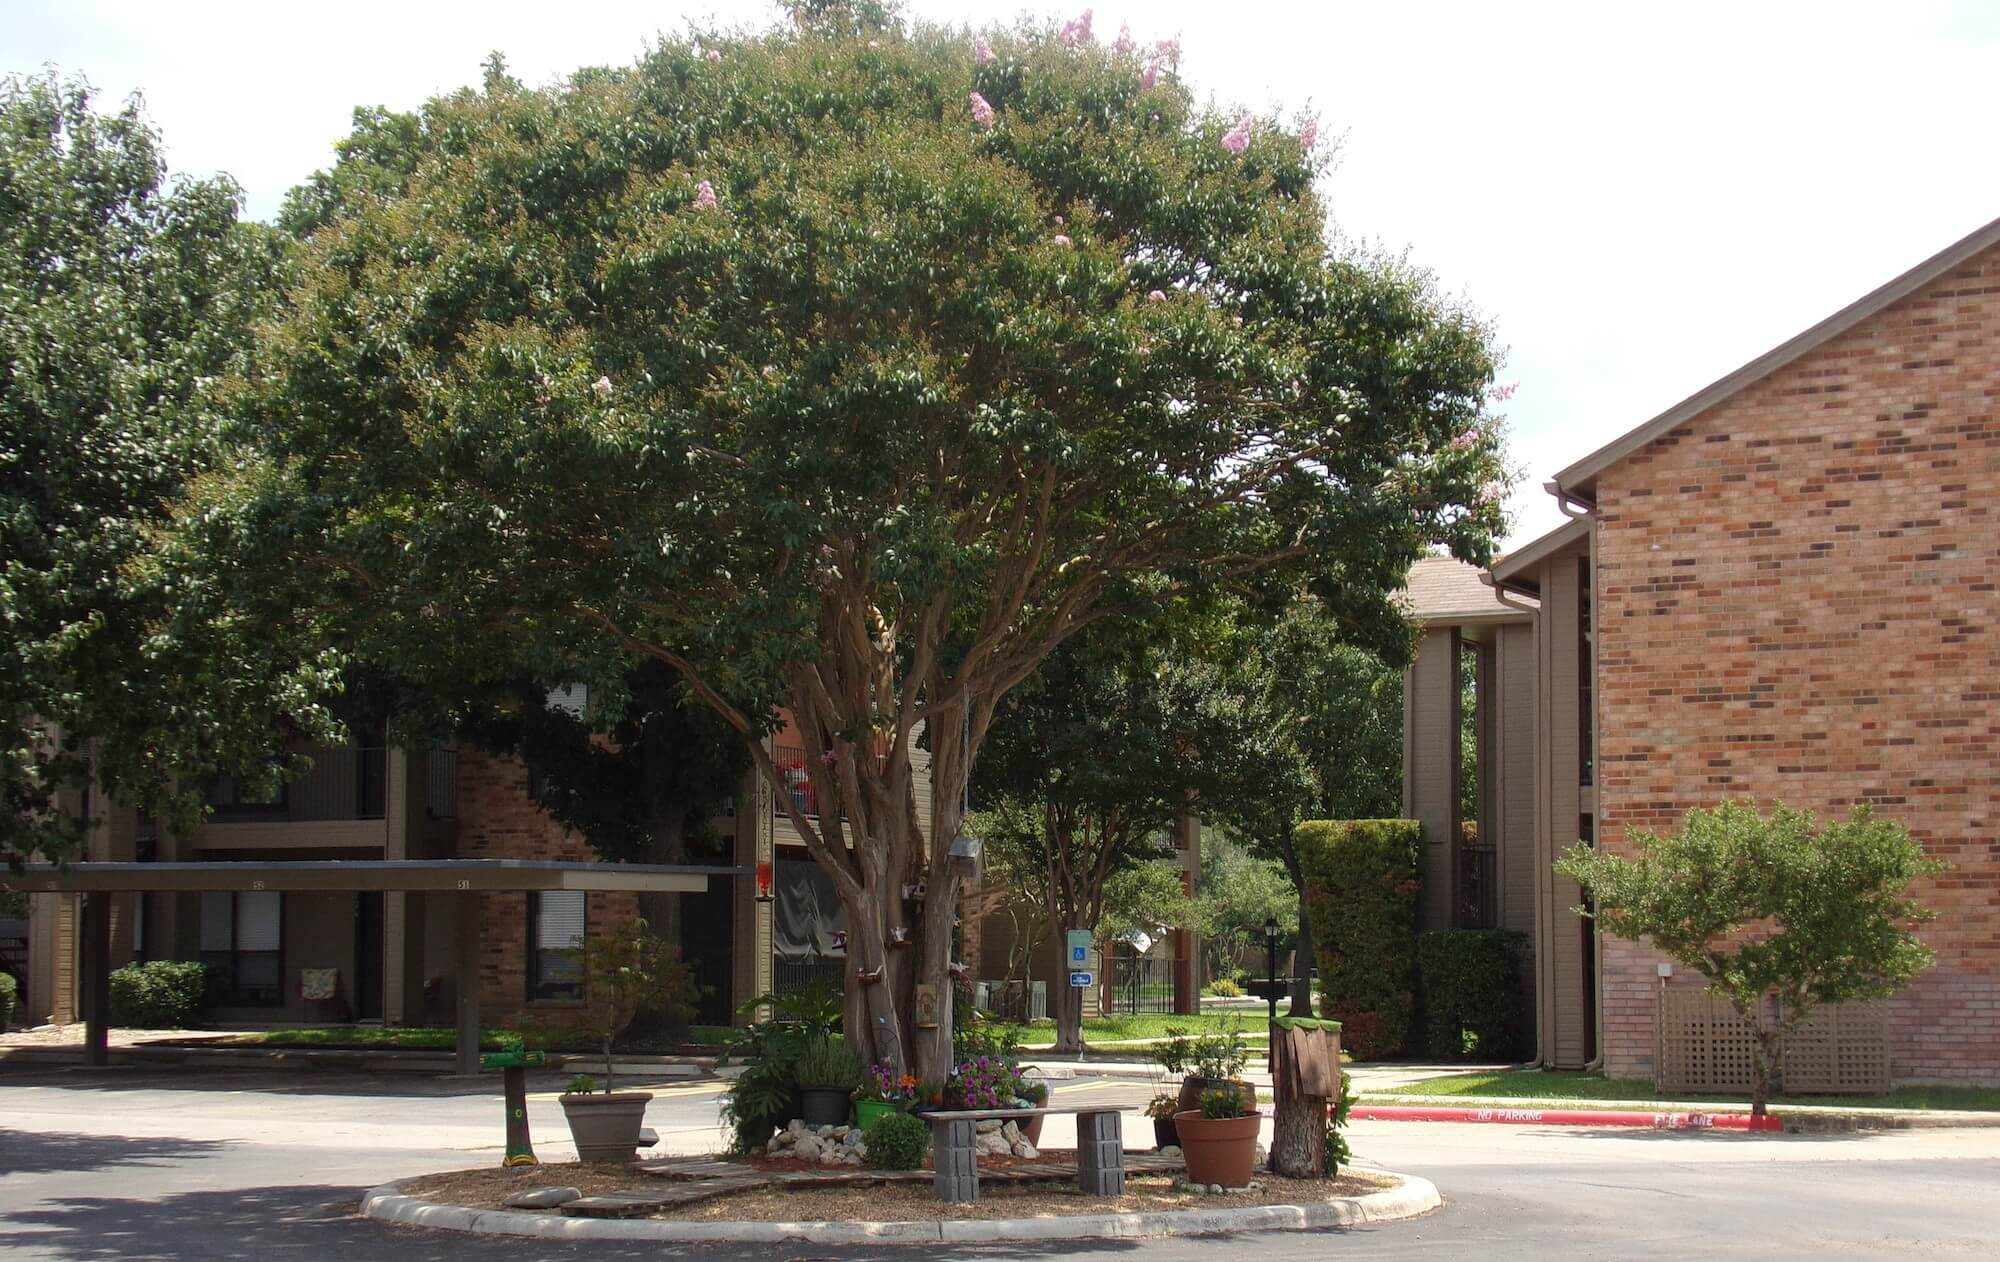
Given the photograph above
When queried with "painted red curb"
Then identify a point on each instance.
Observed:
(1570, 1117)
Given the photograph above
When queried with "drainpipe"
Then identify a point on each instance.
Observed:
(1502, 588)
(1564, 501)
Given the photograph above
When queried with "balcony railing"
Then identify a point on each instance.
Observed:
(342, 784)
(791, 764)
(441, 784)
(1474, 907)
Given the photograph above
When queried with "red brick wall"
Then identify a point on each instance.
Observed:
(1797, 602)
(498, 820)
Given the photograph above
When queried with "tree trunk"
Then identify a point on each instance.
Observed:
(1302, 953)
(1068, 1005)
(1298, 1136)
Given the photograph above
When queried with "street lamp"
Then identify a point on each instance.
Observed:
(1271, 965)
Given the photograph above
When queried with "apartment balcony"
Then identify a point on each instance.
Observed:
(344, 801)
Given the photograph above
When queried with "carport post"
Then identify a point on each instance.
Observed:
(468, 983)
(96, 994)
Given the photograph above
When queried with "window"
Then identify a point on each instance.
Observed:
(1586, 676)
(242, 937)
(555, 931)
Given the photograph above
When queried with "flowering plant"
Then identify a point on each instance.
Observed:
(1162, 1106)
(988, 1082)
(881, 1084)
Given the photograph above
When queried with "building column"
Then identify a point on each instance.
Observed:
(96, 987)
(395, 903)
(468, 984)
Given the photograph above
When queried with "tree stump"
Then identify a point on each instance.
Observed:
(1298, 1138)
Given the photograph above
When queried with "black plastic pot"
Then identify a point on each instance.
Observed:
(1164, 1133)
(823, 1106)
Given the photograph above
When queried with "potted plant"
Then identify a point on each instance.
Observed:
(623, 973)
(1219, 1140)
(1211, 1062)
(1161, 1108)
(882, 1092)
(984, 1082)
(827, 1074)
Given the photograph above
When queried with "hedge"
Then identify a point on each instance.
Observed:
(9, 995)
(161, 995)
(1470, 980)
(1361, 896)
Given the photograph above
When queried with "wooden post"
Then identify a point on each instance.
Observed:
(96, 988)
(468, 983)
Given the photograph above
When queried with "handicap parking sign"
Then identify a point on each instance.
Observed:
(1078, 941)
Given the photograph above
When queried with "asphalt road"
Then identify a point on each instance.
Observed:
(260, 1166)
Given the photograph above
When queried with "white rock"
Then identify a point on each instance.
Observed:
(808, 1147)
(841, 1132)
(824, 1132)
(543, 1198)
(831, 1157)
(852, 1159)
(986, 1126)
(795, 1128)
(1215, 1189)
(1012, 1132)
(1172, 1151)
(995, 1144)
(777, 1143)
(1022, 1148)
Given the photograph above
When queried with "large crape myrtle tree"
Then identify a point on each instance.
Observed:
(851, 366)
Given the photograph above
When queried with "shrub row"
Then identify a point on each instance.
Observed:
(9, 995)
(1470, 980)
(161, 995)
(1361, 887)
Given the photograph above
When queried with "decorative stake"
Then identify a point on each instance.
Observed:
(840, 939)
(869, 976)
(899, 937)
(914, 893)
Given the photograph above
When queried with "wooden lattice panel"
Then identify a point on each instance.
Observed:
(1840, 1050)
(1704, 1044)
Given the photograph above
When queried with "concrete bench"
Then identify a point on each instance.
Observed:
(1100, 1149)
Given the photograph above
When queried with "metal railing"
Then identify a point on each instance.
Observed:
(1475, 903)
(344, 783)
(790, 974)
(441, 784)
(1140, 984)
(1012, 1001)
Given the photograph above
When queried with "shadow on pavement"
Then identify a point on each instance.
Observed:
(52, 1152)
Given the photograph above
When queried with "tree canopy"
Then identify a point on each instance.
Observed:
(123, 296)
(853, 367)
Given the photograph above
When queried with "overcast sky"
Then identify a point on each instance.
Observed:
(1640, 197)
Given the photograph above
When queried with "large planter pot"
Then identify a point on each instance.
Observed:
(606, 1126)
(1218, 1149)
(1031, 1129)
(1189, 1099)
(868, 1112)
(823, 1106)
(1164, 1133)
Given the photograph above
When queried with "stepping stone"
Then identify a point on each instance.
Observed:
(543, 1198)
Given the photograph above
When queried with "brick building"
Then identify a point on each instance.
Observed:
(1782, 588)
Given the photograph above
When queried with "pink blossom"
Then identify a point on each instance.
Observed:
(603, 387)
(1309, 135)
(1057, 220)
(1169, 51)
(1150, 75)
(1465, 441)
(874, 43)
(1500, 394)
(982, 112)
(1076, 31)
(1061, 240)
(982, 52)
(1158, 295)
(1125, 42)
(1492, 493)
(704, 196)
(713, 54)
(1238, 138)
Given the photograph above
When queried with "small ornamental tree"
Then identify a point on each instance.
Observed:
(853, 366)
(628, 972)
(1779, 914)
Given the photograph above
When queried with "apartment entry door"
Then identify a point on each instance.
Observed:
(368, 956)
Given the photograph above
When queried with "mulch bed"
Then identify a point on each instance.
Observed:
(875, 1202)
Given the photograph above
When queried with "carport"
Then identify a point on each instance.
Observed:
(467, 878)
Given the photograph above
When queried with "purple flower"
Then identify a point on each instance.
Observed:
(1125, 42)
(1150, 75)
(982, 111)
(704, 196)
(982, 52)
(1238, 138)
(1076, 31)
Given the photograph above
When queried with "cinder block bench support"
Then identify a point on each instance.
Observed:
(956, 1160)
(1100, 1154)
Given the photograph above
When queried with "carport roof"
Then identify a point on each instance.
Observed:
(445, 875)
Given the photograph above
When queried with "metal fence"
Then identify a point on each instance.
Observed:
(1141, 984)
(790, 974)
(441, 784)
(1475, 903)
(1012, 1001)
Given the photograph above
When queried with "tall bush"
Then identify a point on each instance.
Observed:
(1470, 980)
(9, 995)
(161, 995)
(1361, 895)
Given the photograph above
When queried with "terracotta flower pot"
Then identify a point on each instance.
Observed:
(1218, 1149)
(1031, 1129)
(606, 1126)
(1189, 1098)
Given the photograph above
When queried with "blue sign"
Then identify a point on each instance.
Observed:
(1078, 942)
(1082, 980)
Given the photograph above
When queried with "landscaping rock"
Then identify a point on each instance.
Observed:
(1012, 1132)
(795, 1128)
(543, 1198)
(1022, 1148)
(807, 1148)
(855, 1138)
(987, 1126)
(832, 1157)
(994, 1144)
(842, 1132)
(1173, 1152)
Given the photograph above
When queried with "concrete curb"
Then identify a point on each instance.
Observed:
(1409, 1198)
(1797, 1120)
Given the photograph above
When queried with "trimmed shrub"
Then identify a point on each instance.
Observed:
(897, 1141)
(1361, 895)
(10, 994)
(1470, 980)
(161, 995)
(1225, 988)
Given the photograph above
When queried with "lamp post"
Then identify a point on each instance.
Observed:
(1271, 966)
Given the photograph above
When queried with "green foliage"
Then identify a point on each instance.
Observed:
(123, 298)
(1224, 1104)
(975, 1035)
(764, 1096)
(1216, 1054)
(160, 995)
(1470, 982)
(1778, 913)
(781, 368)
(1162, 1106)
(897, 1141)
(1224, 988)
(581, 1084)
(1148, 897)
(1361, 894)
(1336, 1151)
(828, 1063)
(1236, 893)
(10, 995)
(628, 972)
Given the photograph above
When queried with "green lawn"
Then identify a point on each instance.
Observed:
(1573, 1085)
(1142, 1026)
(409, 1038)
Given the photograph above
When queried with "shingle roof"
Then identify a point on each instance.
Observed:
(1445, 589)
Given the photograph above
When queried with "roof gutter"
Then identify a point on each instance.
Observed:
(1565, 499)
(1503, 587)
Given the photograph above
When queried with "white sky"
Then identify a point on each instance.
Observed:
(1641, 197)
